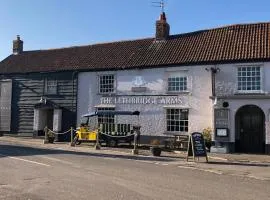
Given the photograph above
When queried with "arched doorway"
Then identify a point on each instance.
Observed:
(250, 129)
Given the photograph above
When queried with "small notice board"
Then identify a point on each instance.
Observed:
(196, 146)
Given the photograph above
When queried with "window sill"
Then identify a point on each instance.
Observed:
(107, 94)
(180, 92)
(175, 133)
(249, 92)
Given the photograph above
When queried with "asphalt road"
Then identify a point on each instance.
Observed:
(30, 173)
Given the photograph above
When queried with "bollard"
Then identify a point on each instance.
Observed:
(136, 129)
(97, 146)
(135, 150)
(45, 141)
(71, 137)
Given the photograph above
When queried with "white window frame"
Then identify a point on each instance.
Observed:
(183, 73)
(50, 83)
(185, 121)
(99, 85)
(181, 83)
(241, 91)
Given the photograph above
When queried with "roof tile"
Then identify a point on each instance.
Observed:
(235, 43)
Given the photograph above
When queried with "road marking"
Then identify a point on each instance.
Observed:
(164, 164)
(58, 160)
(29, 161)
(204, 170)
(217, 158)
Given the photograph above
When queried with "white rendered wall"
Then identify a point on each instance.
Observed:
(152, 117)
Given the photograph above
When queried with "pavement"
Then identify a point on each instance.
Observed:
(30, 170)
(245, 165)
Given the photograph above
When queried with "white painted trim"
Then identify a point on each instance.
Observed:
(176, 106)
(261, 91)
(249, 64)
(105, 106)
(115, 83)
(176, 69)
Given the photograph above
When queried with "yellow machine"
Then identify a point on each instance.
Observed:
(85, 134)
(109, 132)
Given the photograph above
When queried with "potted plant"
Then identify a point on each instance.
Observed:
(51, 136)
(207, 137)
(155, 147)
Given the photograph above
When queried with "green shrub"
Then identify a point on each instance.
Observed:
(155, 142)
(207, 134)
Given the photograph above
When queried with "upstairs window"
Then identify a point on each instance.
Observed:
(177, 120)
(106, 84)
(50, 86)
(177, 81)
(249, 79)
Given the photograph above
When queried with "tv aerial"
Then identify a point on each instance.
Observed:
(159, 4)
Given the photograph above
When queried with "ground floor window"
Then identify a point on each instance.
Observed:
(106, 119)
(177, 120)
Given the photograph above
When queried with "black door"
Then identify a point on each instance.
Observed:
(250, 120)
(50, 119)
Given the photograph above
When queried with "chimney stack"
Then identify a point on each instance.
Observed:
(162, 28)
(17, 46)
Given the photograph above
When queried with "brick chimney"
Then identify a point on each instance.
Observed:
(162, 28)
(17, 46)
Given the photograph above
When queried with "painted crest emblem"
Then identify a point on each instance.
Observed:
(138, 81)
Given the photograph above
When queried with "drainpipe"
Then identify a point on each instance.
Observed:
(214, 71)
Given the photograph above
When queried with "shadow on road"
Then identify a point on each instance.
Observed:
(18, 150)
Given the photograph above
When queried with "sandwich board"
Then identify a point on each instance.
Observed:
(196, 146)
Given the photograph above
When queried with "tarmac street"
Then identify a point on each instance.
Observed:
(32, 173)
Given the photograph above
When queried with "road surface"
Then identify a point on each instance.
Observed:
(30, 173)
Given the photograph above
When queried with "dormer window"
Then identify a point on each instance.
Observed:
(249, 79)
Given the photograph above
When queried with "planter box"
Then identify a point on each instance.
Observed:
(156, 151)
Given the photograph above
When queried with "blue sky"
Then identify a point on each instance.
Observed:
(45, 24)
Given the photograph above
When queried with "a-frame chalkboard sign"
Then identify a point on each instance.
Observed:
(196, 146)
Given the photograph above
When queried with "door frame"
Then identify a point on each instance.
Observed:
(240, 111)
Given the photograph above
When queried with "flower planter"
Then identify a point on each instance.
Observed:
(51, 139)
(156, 151)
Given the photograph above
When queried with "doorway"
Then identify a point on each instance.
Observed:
(250, 129)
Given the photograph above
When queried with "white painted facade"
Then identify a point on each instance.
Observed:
(154, 100)
(227, 91)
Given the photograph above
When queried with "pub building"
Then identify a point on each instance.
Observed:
(180, 83)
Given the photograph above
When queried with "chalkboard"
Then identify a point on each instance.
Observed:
(196, 146)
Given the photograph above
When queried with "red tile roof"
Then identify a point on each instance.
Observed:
(236, 43)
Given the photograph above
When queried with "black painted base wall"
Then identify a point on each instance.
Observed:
(267, 149)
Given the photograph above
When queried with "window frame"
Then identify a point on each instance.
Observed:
(184, 121)
(48, 84)
(101, 119)
(99, 83)
(241, 91)
(181, 73)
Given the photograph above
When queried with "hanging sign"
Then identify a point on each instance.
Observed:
(196, 146)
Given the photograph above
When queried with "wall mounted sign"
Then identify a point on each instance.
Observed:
(168, 100)
(222, 132)
(222, 118)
